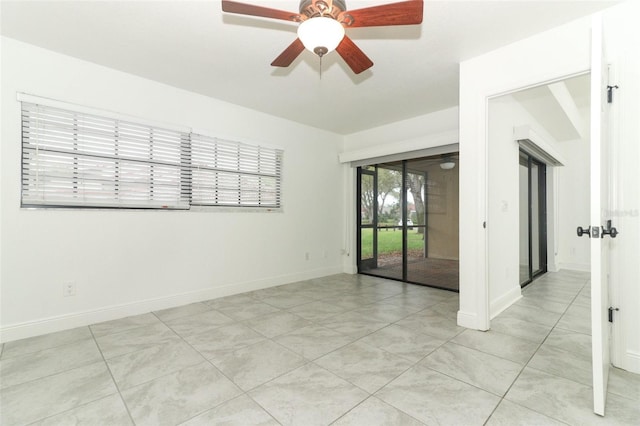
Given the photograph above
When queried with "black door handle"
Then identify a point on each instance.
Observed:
(582, 231)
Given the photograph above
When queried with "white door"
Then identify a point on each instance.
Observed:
(600, 211)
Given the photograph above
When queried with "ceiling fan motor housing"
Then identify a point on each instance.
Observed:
(313, 8)
(323, 22)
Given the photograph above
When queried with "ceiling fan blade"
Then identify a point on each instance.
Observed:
(289, 55)
(265, 12)
(353, 56)
(402, 13)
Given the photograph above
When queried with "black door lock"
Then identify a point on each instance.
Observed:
(582, 231)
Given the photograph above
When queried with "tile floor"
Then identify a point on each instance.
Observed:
(343, 350)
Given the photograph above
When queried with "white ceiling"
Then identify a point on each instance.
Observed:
(192, 45)
(553, 115)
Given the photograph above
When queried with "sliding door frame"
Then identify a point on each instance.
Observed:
(370, 263)
(542, 216)
(365, 266)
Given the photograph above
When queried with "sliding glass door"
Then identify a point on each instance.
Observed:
(367, 217)
(533, 225)
(408, 220)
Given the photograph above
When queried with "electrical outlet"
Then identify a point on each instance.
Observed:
(69, 289)
(306, 256)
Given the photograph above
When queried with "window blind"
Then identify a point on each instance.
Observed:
(228, 173)
(83, 159)
(78, 159)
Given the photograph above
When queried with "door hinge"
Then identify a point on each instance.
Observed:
(611, 309)
(610, 93)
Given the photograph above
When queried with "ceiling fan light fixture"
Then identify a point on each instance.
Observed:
(320, 34)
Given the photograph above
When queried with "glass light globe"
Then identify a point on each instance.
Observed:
(447, 165)
(320, 35)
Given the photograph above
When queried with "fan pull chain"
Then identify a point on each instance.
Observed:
(321, 67)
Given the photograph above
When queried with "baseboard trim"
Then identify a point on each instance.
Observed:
(582, 267)
(498, 305)
(552, 267)
(469, 320)
(632, 362)
(79, 319)
(350, 269)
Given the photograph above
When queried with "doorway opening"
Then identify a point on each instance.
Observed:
(407, 222)
(533, 213)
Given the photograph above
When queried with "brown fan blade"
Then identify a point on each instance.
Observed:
(402, 13)
(265, 12)
(353, 56)
(289, 55)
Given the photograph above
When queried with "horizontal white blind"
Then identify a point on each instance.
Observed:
(227, 173)
(77, 159)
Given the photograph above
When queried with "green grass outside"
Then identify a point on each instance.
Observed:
(389, 241)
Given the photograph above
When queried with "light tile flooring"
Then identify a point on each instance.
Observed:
(343, 350)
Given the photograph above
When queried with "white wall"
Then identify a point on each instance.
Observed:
(573, 206)
(419, 130)
(504, 201)
(129, 262)
(547, 56)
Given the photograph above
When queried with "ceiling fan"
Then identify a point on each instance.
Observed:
(323, 23)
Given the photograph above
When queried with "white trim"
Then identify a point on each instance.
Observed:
(632, 362)
(533, 143)
(410, 155)
(24, 97)
(504, 301)
(469, 320)
(350, 269)
(582, 267)
(401, 147)
(78, 319)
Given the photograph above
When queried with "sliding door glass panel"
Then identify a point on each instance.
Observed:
(367, 231)
(389, 202)
(366, 247)
(524, 218)
(416, 235)
(432, 205)
(408, 221)
(535, 219)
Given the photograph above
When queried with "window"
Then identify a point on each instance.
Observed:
(77, 159)
(225, 173)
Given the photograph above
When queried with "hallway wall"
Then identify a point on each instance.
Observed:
(553, 54)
